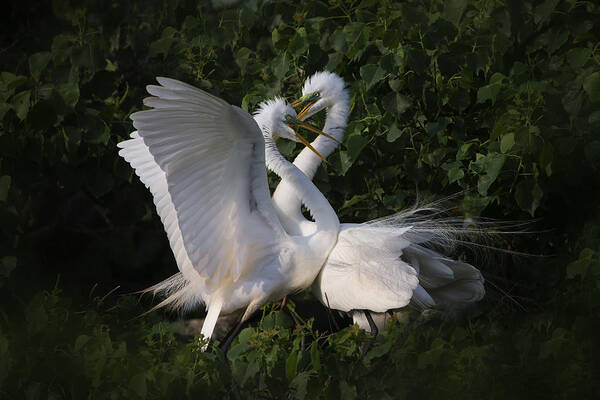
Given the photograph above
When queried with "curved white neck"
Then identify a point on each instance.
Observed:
(303, 188)
(335, 124)
(287, 203)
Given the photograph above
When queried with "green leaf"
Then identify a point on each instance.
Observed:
(138, 385)
(81, 341)
(395, 84)
(507, 142)
(69, 93)
(546, 158)
(38, 62)
(242, 345)
(7, 266)
(291, 363)
(161, 46)
(315, 355)
(95, 130)
(591, 85)
(528, 195)
(394, 133)
(491, 165)
(334, 60)
(4, 187)
(356, 36)
(300, 384)
(378, 350)
(543, 11)
(473, 205)
(354, 146)
(490, 92)
(299, 43)
(578, 57)
(61, 47)
(454, 174)
(242, 57)
(280, 66)
(594, 118)
(36, 315)
(21, 103)
(286, 147)
(453, 10)
(347, 390)
(371, 74)
(357, 198)
(580, 266)
(463, 151)
(435, 127)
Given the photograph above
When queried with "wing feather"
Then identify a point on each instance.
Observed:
(203, 161)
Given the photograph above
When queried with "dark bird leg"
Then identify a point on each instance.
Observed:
(232, 335)
(374, 330)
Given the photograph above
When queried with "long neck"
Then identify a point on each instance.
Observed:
(287, 203)
(335, 124)
(303, 188)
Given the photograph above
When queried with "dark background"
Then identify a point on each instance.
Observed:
(498, 101)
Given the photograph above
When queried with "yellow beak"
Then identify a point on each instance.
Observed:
(307, 144)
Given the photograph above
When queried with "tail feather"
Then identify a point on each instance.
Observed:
(459, 292)
(449, 282)
(178, 293)
(421, 299)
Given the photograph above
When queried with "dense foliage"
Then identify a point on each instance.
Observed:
(496, 99)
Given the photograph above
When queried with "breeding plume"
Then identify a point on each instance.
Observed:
(380, 265)
(204, 162)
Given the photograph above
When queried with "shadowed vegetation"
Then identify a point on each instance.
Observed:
(498, 100)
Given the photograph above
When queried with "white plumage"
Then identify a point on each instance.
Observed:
(204, 162)
(381, 265)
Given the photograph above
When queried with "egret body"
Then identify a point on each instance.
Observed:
(204, 163)
(381, 265)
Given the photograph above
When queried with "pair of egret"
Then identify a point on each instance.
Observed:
(236, 248)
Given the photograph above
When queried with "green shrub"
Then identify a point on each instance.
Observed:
(496, 100)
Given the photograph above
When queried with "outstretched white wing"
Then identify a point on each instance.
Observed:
(203, 160)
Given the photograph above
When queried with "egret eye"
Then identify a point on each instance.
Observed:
(307, 98)
(311, 96)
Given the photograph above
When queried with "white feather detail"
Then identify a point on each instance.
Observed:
(361, 273)
(203, 161)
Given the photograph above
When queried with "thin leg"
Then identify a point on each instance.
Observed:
(232, 335)
(374, 330)
(330, 316)
(282, 306)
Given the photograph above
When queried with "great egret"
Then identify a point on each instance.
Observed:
(204, 162)
(381, 265)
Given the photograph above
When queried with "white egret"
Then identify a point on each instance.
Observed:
(380, 265)
(204, 162)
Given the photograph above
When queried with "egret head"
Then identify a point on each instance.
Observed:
(321, 90)
(272, 117)
(276, 118)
